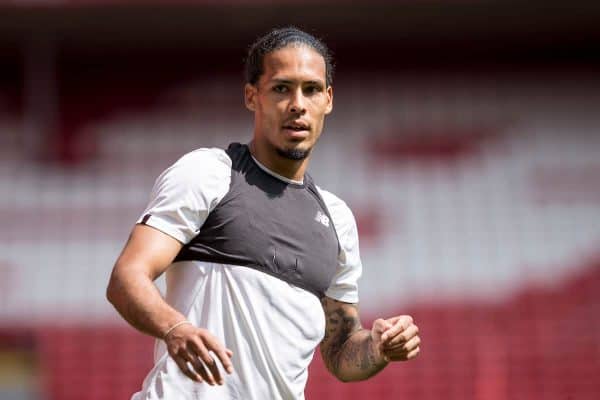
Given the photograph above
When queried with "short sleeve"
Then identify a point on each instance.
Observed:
(186, 192)
(344, 285)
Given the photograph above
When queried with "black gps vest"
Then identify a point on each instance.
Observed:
(279, 228)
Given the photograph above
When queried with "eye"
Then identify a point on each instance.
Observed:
(312, 89)
(280, 88)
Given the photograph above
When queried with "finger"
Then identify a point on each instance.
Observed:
(380, 325)
(395, 355)
(393, 320)
(196, 365)
(211, 372)
(407, 347)
(199, 368)
(183, 366)
(402, 355)
(224, 356)
(404, 336)
(402, 323)
(412, 344)
(413, 353)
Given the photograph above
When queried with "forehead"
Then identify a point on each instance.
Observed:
(295, 62)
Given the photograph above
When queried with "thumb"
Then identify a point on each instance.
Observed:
(380, 325)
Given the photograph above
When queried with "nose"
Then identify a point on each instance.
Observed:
(297, 105)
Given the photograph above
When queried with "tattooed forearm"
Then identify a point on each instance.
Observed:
(370, 362)
(339, 328)
(347, 349)
(359, 355)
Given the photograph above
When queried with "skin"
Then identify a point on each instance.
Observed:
(131, 290)
(292, 89)
(352, 353)
(291, 92)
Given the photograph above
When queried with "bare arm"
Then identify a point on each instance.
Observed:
(352, 353)
(131, 288)
(133, 293)
(347, 349)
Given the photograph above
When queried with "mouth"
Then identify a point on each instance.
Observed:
(296, 130)
(296, 127)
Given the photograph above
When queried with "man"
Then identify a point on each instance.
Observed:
(261, 264)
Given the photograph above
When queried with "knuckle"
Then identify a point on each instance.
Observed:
(207, 335)
(201, 333)
(208, 360)
(221, 352)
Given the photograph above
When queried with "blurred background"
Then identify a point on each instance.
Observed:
(465, 136)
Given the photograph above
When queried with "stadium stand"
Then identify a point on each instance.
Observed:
(449, 182)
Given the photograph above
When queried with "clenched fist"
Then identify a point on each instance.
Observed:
(396, 338)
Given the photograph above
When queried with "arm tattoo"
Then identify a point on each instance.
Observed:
(347, 348)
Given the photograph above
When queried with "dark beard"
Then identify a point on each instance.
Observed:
(293, 154)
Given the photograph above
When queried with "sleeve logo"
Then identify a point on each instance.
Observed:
(322, 218)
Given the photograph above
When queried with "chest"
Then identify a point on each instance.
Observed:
(278, 229)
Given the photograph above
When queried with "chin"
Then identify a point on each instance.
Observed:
(294, 153)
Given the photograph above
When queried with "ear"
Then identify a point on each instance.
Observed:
(329, 100)
(250, 96)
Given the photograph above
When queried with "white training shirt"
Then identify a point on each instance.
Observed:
(271, 326)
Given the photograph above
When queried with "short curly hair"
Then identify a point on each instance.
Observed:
(277, 39)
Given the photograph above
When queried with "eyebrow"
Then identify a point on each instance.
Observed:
(289, 81)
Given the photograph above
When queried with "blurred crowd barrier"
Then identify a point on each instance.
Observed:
(478, 206)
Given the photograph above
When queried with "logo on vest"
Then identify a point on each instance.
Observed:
(322, 218)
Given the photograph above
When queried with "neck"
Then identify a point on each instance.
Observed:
(268, 156)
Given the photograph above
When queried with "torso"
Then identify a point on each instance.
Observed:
(278, 228)
(253, 275)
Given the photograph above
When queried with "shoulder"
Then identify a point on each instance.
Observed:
(333, 202)
(199, 165)
(202, 158)
(204, 172)
(184, 194)
(342, 215)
